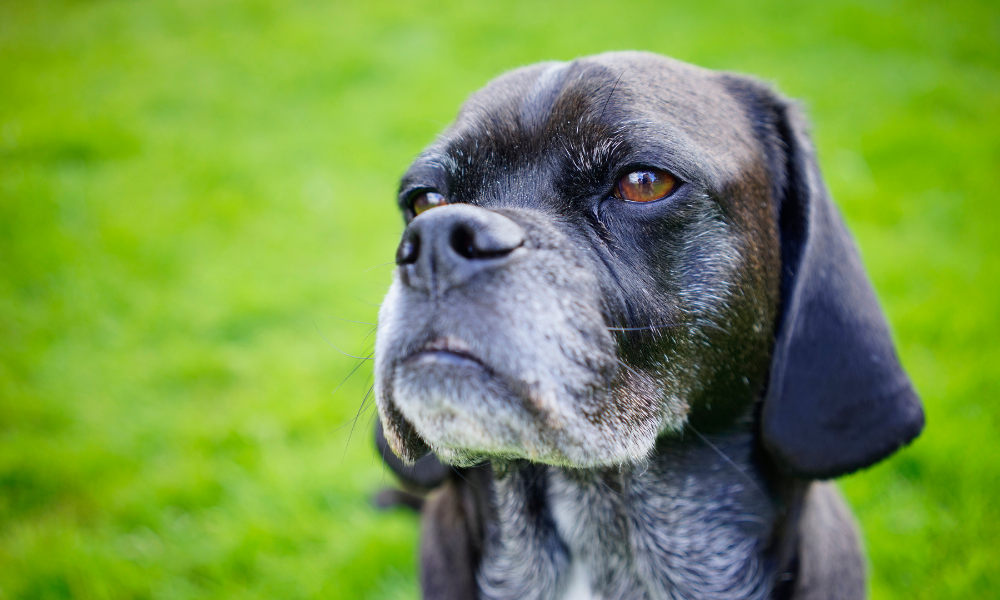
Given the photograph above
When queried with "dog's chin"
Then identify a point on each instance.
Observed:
(465, 414)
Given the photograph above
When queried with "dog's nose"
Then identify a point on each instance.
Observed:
(446, 246)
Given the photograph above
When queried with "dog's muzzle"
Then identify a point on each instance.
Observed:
(492, 343)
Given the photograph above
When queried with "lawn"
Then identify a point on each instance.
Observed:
(196, 204)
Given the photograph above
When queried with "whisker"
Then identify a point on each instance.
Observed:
(726, 458)
(353, 371)
(363, 301)
(459, 473)
(370, 417)
(354, 421)
(377, 266)
(351, 321)
(627, 366)
(610, 95)
(381, 452)
(601, 479)
(369, 334)
(652, 327)
(364, 405)
(648, 328)
(338, 349)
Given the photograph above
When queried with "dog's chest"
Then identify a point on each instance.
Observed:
(632, 537)
(578, 586)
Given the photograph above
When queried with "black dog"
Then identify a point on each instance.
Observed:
(629, 316)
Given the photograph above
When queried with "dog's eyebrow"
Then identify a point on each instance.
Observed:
(636, 142)
(437, 160)
(590, 158)
(430, 169)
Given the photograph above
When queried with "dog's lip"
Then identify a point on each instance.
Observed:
(446, 350)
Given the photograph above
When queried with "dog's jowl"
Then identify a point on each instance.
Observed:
(630, 320)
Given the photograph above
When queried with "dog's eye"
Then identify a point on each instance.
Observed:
(645, 186)
(426, 201)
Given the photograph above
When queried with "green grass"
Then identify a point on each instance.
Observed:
(190, 192)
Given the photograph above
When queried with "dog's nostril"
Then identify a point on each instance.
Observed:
(408, 250)
(485, 242)
(463, 242)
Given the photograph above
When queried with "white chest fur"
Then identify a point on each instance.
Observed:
(670, 531)
(653, 540)
(567, 517)
(579, 584)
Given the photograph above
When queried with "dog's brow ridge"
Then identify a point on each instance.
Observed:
(537, 105)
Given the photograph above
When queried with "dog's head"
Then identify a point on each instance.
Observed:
(599, 252)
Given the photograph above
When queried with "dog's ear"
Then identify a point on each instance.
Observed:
(837, 398)
(452, 535)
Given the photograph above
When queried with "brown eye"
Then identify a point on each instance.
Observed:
(645, 186)
(427, 201)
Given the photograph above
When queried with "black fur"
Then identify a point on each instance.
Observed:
(649, 389)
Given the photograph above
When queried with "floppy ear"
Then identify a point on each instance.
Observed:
(837, 399)
(452, 535)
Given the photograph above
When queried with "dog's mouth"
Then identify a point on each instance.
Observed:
(446, 351)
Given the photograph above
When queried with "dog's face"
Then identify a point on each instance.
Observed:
(622, 281)
(592, 259)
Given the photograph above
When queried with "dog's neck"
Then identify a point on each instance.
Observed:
(695, 520)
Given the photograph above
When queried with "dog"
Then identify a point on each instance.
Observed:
(628, 340)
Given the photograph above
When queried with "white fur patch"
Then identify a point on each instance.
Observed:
(567, 519)
(579, 584)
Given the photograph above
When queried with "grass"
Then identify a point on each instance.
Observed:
(192, 194)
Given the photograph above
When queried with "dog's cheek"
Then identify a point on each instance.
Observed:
(617, 410)
(697, 268)
(732, 356)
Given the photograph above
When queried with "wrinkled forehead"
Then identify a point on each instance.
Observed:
(647, 101)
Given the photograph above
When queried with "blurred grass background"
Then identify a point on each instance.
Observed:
(192, 193)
